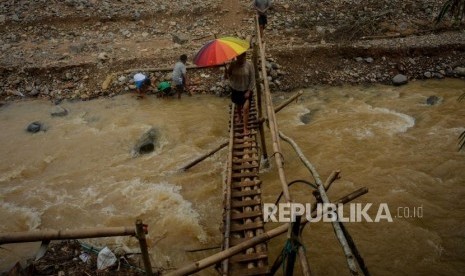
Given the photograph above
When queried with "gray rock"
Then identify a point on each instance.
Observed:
(358, 59)
(369, 60)
(428, 75)
(432, 100)
(34, 127)
(459, 71)
(2, 18)
(179, 38)
(103, 56)
(34, 92)
(306, 118)
(58, 111)
(438, 75)
(147, 143)
(399, 79)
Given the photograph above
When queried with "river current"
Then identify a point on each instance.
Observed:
(80, 173)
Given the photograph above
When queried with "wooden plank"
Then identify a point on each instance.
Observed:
(244, 160)
(252, 271)
(241, 134)
(245, 146)
(242, 153)
(247, 226)
(245, 174)
(245, 203)
(246, 193)
(246, 215)
(240, 258)
(245, 166)
(238, 140)
(247, 184)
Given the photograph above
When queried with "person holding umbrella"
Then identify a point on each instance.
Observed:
(242, 82)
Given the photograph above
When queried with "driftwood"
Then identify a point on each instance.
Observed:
(220, 256)
(34, 236)
(205, 156)
(322, 192)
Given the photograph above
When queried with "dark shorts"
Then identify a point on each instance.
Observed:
(238, 97)
(179, 88)
(262, 20)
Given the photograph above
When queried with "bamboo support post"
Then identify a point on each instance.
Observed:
(220, 256)
(227, 226)
(304, 266)
(335, 175)
(258, 88)
(321, 189)
(33, 236)
(205, 156)
(140, 234)
(294, 244)
(272, 119)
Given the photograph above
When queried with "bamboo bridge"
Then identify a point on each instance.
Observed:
(244, 249)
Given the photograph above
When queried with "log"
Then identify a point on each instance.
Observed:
(288, 101)
(205, 156)
(35, 236)
(220, 256)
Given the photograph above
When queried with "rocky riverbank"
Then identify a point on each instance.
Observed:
(83, 49)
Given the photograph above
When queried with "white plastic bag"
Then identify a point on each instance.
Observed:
(105, 259)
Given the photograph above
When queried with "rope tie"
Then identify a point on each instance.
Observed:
(291, 246)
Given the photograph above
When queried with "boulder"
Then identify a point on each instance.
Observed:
(432, 100)
(460, 71)
(58, 111)
(399, 79)
(306, 118)
(147, 142)
(34, 127)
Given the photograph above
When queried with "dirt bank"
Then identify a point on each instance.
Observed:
(68, 49)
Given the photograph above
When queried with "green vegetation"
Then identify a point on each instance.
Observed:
(456, 8)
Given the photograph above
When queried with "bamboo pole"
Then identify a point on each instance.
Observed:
(34, 236)
(227, 207)
(205, 156)
(140, 234)
(304, 266)
(220, 256)
(335, 175)
(292, 255)
(321, 189)
(258, 88)
(288, 101)
(272, 119)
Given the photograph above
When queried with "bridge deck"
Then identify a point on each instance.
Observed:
(245, 204)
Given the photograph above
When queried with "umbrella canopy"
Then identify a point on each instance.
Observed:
(220, 50)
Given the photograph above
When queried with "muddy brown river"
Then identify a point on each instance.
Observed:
(80, 173)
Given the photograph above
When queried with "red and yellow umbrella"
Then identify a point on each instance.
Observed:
(220, 50)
